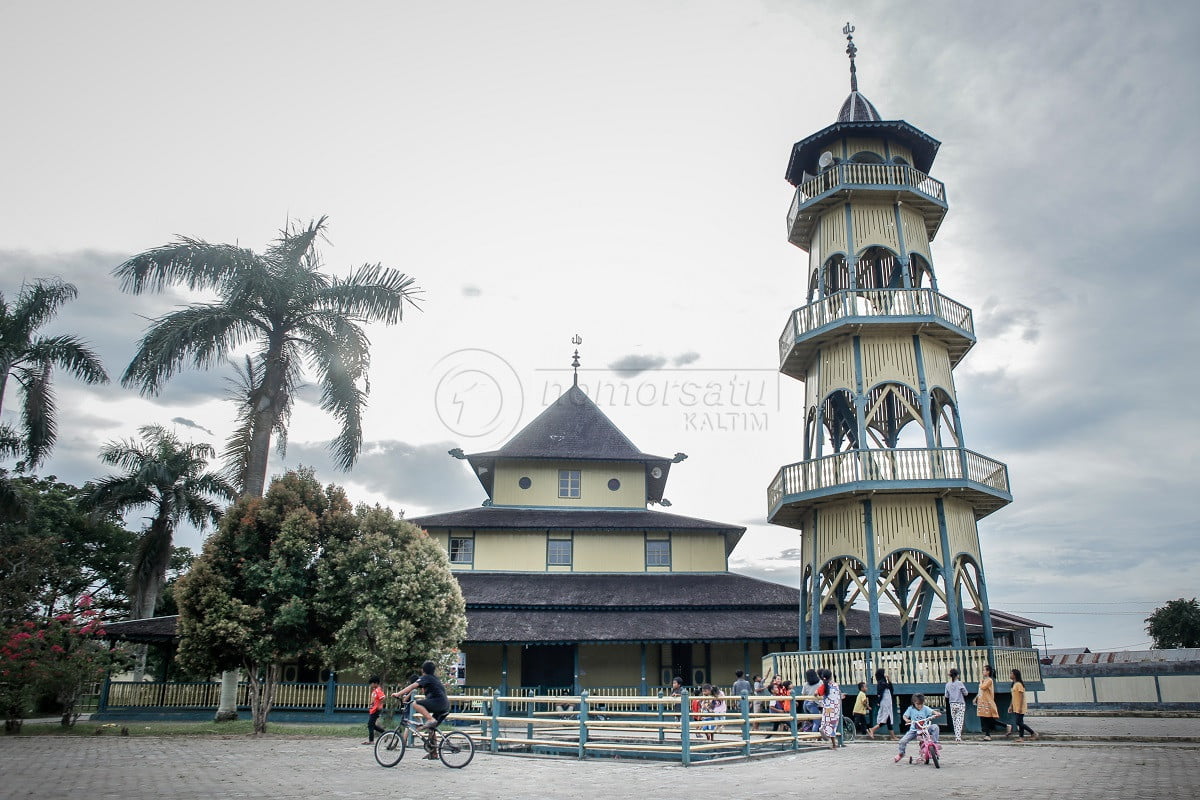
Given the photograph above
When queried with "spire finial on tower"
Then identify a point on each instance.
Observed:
(851, 50)
(576, 340)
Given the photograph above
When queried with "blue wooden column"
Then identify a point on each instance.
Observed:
(953, 611)
(872, 576)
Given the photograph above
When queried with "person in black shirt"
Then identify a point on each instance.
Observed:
(435, 700)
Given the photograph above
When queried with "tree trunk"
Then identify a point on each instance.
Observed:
(262, 695)
(227, 705)
(266, 412)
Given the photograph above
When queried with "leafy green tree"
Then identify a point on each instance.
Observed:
(389, 597)
(248, 600)
(281, 303)
(56, 552)
(30, 359)
(1176, 624)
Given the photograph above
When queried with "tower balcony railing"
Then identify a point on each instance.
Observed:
(928, 194)
(911, 669)
(921, 306)
(898, 470)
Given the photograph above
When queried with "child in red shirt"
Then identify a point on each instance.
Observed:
(375, 709)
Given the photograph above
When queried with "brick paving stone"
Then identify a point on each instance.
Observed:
(99, 768)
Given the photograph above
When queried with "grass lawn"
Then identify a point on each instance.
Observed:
(241, 727)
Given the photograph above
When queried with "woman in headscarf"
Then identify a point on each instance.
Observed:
(985, 703)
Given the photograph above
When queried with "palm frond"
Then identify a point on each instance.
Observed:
(202, 334)
(37, 303)
(117, 494)
(373, 293)
(340, 359)
(37, 412)
(296, 246)
(71, 354)
(193, 263)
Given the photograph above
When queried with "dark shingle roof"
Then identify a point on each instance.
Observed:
(678, 590)
(609, 627)
(508, 518)
(806, 151)
(556, 608)
(858, 108)
(572, 428)
(152, 629)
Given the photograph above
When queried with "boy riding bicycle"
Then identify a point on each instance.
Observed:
(435, 703)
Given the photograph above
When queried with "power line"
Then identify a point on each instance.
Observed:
(1083, 613)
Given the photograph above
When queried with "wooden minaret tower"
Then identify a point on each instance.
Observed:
(887, 496)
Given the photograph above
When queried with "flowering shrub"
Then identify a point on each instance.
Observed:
(60, 655)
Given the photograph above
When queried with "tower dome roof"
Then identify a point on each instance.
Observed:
(858, 108)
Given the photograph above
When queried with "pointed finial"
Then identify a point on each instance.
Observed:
(576, 340)
(851, 50)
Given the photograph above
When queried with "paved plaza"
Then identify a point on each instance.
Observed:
(280, 768)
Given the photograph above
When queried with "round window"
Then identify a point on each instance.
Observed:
(525, 482)
(614, 484)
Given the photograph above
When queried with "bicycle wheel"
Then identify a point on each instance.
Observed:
(389, 749)
(848, 731)
(456, 750)
(933, 753)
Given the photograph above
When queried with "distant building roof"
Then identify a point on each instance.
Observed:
(1001, 620)
(1177, 655)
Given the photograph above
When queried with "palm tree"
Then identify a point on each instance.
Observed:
(169, 477)
(292, 314)
(30, 360)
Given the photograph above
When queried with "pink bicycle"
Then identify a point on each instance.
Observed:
(928, 749)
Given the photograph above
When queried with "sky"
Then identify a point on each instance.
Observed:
(615, 171)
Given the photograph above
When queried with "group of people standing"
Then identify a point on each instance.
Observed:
(827, 702)
(989, 712)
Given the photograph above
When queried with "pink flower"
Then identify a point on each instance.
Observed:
(54, 648)
(63, 617)
(20, 637)
(85, 600)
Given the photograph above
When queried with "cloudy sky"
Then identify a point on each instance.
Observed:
(615, 170)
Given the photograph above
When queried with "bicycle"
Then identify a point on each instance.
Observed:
(928, 748)
(455, 749)
(848, 730)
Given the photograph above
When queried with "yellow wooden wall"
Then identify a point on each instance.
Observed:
(888, 358)
(874, 225)
(594, 478)
(840, 530)
(937, 366)
(961, 529)
(905, 522)
(592, 551)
